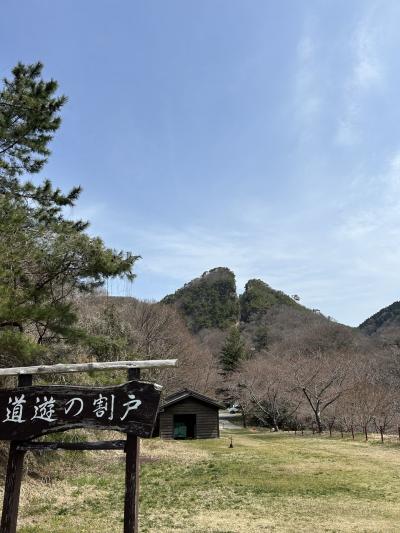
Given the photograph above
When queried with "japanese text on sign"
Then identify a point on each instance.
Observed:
(45, 408)
(27, 412)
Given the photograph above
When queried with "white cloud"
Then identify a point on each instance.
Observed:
(368, 69)
(347, 134)
(305, 50)
(392, 178)
(367, 73)
(368, 235)
(375, 206)
(307, 98)
(358, 226)
(347, 267)
(185, 253)
(87, 211)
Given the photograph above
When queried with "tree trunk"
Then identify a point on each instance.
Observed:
(318, 420)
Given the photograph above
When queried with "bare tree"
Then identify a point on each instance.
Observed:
(262, 385)
(320, 377)
(385, 403)
(126, 328)
(239, 387)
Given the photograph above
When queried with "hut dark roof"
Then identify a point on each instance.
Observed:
(187, 393)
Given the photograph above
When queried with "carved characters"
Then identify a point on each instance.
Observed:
(45, 408)
(32, 411)
(15, 409)
(131, 405)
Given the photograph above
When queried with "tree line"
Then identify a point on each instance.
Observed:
(320, 376)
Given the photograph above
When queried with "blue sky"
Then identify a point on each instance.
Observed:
(259, 135)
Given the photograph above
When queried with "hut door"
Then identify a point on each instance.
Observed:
(184, 426)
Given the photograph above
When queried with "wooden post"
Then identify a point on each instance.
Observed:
(12, 487)
(142, 426)
(132, 450)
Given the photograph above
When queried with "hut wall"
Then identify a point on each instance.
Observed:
(207, 419)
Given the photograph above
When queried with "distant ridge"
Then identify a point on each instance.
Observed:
(258, 297)
(211, 300)
(385, 323)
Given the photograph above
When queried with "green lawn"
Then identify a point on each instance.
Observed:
(267, 482)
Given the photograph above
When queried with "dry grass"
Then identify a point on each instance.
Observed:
(155, 449)
(267, 482)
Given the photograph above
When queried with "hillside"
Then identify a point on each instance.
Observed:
(258, 297)
(268, 319)
(384, 324)
(209, 301)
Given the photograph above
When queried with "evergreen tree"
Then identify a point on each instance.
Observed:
(29, 116)
(233, 351)
(258, 297)
(261, 338)
(45, 259)
(209, 301)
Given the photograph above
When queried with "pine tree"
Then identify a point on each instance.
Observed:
(233, 351)
(45, 259)
(209, 301)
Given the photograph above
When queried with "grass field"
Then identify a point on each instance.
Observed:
(267, 482)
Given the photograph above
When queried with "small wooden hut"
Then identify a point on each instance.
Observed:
(187, 414)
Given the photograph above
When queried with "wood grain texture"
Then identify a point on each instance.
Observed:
(130, 408)
(86, 367)
(83, 446)
(132, 449)
(12, 487)
(207, 418)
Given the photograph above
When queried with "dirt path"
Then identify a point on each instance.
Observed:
(226, 421)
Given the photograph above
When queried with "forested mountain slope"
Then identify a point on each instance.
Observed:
(268, 319)
(384, 324)
(209, 301)
(259, 349)
(258, 297)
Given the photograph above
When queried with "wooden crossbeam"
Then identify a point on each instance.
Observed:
(50, 446)
(86, 367)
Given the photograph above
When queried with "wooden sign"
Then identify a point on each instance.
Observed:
(28, 412)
